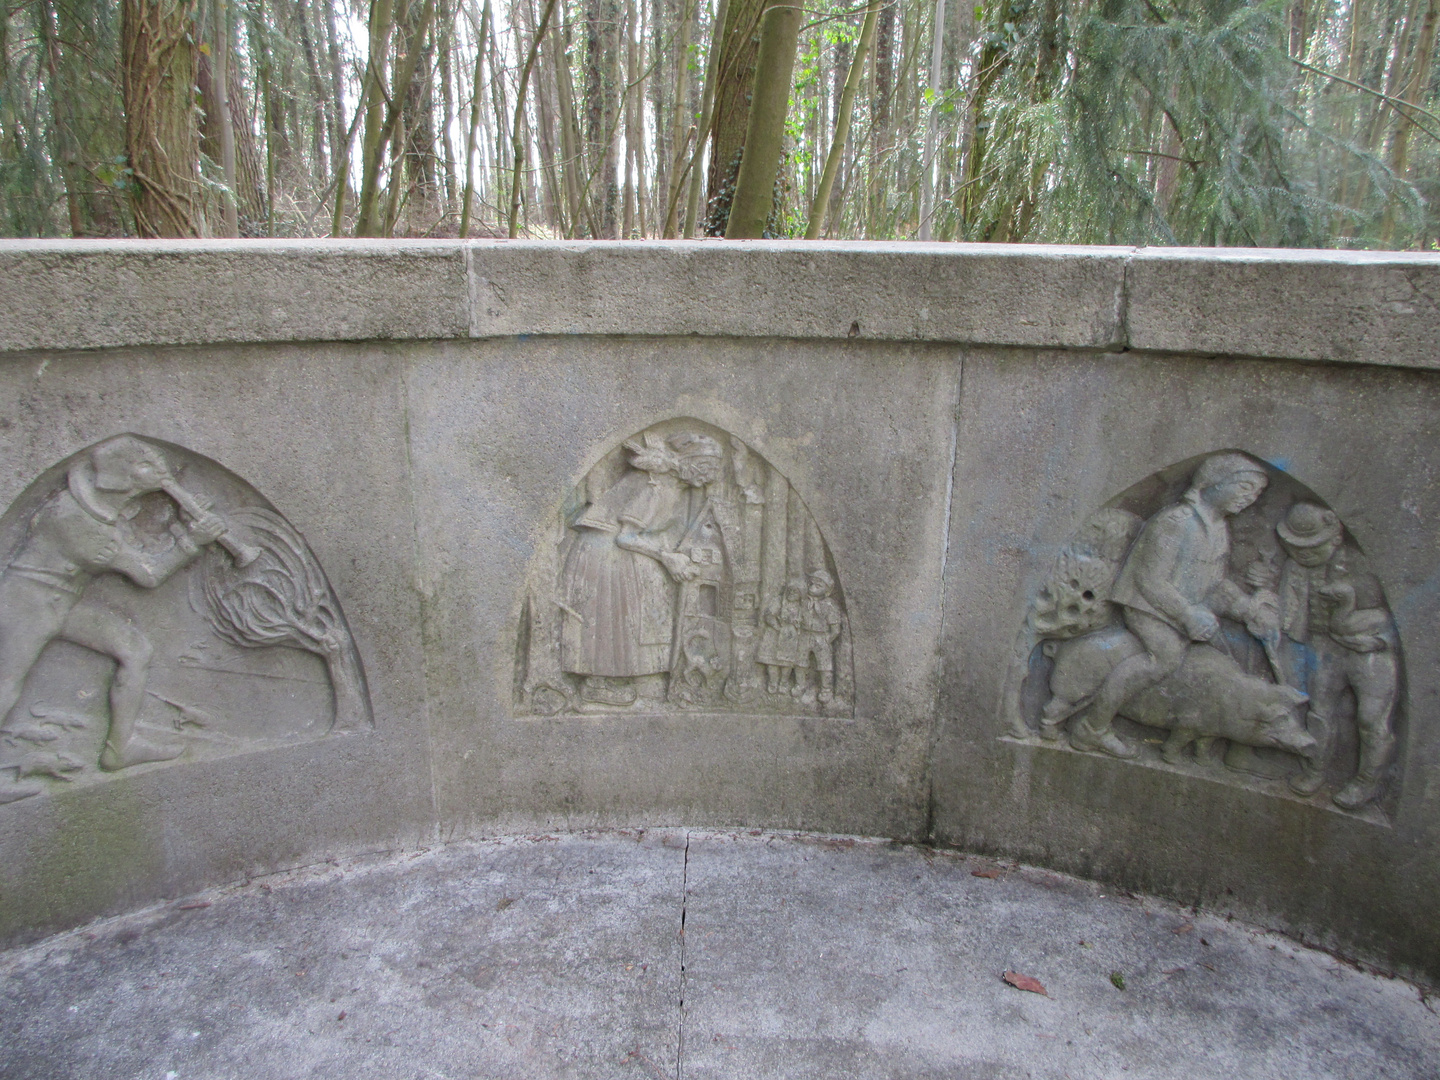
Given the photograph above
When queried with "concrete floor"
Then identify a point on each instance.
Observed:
(692, 954)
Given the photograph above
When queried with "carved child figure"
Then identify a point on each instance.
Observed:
(780, 644)
(1341, 636)
(74, 536)
(820, 623)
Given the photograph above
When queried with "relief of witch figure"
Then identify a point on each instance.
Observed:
(660, 581)
(619, 581)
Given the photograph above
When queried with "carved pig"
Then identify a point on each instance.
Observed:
(1208, 697)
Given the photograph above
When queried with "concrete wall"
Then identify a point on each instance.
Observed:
(931, 423)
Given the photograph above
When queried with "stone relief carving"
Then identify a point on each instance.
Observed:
(143, 621)
(685, 573)
(1225, 605)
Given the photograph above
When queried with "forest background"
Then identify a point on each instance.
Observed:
(1311, 123)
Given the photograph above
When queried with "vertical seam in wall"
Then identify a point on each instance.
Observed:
(471, 306)
(929, 827)
(1122, 302)
(420, 595)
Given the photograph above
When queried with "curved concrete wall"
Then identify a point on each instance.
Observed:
(841, 537)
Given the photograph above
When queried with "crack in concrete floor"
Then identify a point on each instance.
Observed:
(794, 956)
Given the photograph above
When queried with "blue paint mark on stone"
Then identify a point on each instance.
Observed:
(1281, 463)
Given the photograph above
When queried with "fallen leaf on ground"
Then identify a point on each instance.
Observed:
(1118, 980)
(193, 905)
(1025, 982)
(1184, 928)
(992, 872)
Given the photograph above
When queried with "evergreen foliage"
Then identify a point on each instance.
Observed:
(1309, 123)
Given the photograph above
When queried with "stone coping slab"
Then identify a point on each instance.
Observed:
(1358, 307)
(1366, 307)
(691, 954)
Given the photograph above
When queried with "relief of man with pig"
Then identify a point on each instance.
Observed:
(1219, 613)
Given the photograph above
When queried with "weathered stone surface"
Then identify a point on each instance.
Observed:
(1359, 439)
(85, 848)
(934, 462)
(80, 294)
(1065, 297)
(501, 434)
(681, 953)
(537, 957)
(1358, 307)
(863, 960)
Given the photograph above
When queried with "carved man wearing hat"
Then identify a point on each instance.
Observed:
(1341, 636)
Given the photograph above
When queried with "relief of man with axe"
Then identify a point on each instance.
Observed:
(74, 536)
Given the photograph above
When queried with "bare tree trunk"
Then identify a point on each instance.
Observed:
(496, 121)
(162, 138)
(321, 167)
(422, 188)
(707, 110)
(517, 149)
(663, 50)
(927, 176)
(642, 214)
(396, 183)
(631, 126)
(476, 94)
(842, 124)
(765, 132)
(681, 129)
(445, 49)
(342, 133)
(546, 109)
(734, 80)
(880, 129)
(1413, 93)
(222, 108)
(601, 107)
(373, 149)
(570, 142)
(369, 223)
(838, 75)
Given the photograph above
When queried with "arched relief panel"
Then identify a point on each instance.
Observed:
(155, 608)
(1218, 619)
(684, 572)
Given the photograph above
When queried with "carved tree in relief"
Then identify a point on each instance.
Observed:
(685, 573)
(1225, 604)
